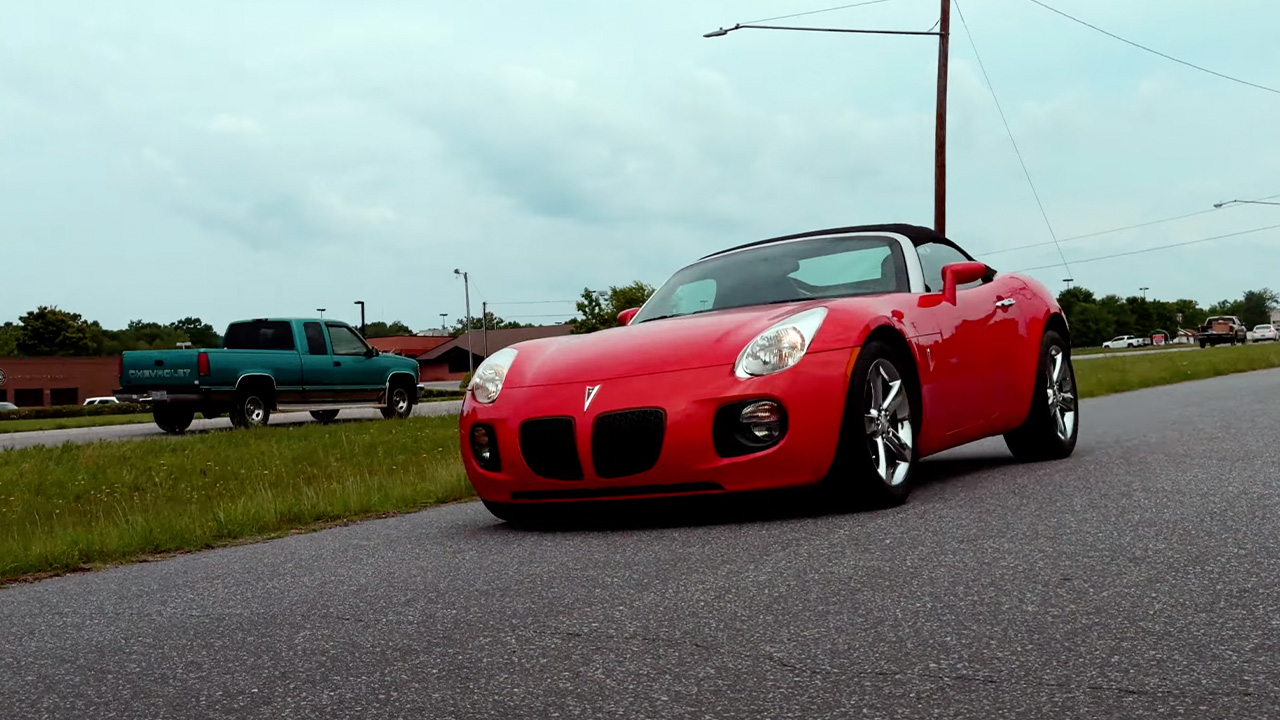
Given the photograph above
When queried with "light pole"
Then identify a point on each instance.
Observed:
(940, 119)
(443, 325)
(1144, 292)
(466, 289)
(361, 304)
(321, 311)
(1068, 281)
(1224, 203)
(484, 323)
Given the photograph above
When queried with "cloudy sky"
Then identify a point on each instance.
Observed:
(235, 159)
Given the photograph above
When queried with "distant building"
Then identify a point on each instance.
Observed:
(1275, 318)
(408, 345)
(40, 381)
(448, 361)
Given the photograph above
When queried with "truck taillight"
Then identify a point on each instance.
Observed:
(202, 364)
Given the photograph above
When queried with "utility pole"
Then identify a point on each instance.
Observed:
(466, 289)
(484, 323)
(940, 129)
(361, 304)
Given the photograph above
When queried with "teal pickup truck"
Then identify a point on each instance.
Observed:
(322, 366)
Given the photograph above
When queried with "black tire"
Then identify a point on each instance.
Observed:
(1203, 344)
(324, 416)
(252, 408)
(399, 402)
(173, 419)
(1051, 429)
(858, 476)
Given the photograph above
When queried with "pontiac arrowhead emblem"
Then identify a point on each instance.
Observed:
(591, 393)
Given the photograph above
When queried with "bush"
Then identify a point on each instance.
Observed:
(434, 393)
(465, 381)
(68, 411)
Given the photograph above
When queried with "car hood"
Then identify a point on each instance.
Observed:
(680, 343)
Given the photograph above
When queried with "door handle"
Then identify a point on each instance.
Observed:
(337, 363)
(1007, 302)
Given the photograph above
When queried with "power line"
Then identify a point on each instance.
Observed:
(1012, 141)
(1121, 229)
(1155, 52)
(1157, 247)
(815, 12)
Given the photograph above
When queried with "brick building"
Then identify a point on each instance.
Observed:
(448, 361)
(34, 382)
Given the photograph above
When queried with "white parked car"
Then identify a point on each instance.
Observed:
(101, 401)
(1264, 333)
(1124, 341)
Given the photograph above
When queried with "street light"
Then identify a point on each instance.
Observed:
(466, 289)
(1068, 281)
(321, 311)
(1144, 292)
(361, 304)
(1224, 203)
(940, 121)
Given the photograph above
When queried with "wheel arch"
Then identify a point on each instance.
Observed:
(401, 377)
(894, 338)
(260, 381)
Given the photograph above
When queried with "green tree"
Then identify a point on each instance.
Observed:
(1257, 305)
(1072, 297)
(379, 329)
(9, 339)
(480, 322)
(599, 308)
(48, 331)
(199, 333)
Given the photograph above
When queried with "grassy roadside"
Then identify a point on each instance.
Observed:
(1104, 376)
(73, 506)
(13, 426)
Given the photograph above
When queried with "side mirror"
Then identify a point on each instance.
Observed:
(957, 274)
(624, 317)
(371, 352)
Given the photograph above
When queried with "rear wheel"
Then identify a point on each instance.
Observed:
(399, 403)
(324, 416)
(252, 409)
(1052, 426)
(877, 452)
(173, 419)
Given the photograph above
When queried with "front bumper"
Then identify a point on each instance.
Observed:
(812, 393)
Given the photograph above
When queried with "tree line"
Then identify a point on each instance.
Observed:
(1095, 320)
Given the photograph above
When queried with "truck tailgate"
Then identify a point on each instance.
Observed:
(146, 369)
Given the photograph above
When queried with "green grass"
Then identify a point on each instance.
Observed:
(13, 426)
(1105, 376)
(1122, 351)
(74, 506)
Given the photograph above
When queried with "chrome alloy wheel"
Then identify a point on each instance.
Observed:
(1062, 394)
(888, 422)
(400, 401)
(255, 410)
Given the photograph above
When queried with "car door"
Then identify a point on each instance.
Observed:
(358, 375)
(319, 367)
(976, 333)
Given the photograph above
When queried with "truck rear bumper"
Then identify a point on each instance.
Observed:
(158, 396)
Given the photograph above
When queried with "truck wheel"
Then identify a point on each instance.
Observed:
(252, 409)
(173, 420)
(1051, 428)
(399, 403)
(324, 416)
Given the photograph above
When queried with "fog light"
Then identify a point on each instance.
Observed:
(763, 419)
(484, 448)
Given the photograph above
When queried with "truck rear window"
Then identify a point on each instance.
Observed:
(260, 335)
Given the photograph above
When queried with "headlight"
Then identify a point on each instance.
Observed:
(781, 346)
(486, 383)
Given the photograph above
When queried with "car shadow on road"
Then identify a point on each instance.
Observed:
(737, 508)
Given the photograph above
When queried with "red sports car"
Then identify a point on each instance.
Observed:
(838, 357)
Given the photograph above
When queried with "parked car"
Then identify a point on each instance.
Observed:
(1264, 333)
(7, 407)
(266, 365)
(1124, 341)
(102, 401)
(837, 357)
(1222, 329)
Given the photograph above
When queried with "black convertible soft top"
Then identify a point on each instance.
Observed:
(917, 234)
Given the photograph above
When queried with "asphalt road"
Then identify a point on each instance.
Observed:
(1137, 579)
(10, 441)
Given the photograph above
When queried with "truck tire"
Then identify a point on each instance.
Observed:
(399, 402)
(252, 408)
(324, 416)
(173, 419)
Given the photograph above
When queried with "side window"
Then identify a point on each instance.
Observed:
(315, 339)
(935, 256)
(259, 335)
(345, 341)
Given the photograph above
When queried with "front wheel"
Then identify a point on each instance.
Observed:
(1051, 428)
(324, 416)
(174, 420)
(399, 404)
(877, 452)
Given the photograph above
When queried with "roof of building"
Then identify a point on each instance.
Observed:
(408, 345)
(498, 339)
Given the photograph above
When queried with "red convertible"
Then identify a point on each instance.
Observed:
(837, 358)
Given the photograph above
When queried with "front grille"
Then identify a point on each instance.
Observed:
(549, 448)
(627, 442)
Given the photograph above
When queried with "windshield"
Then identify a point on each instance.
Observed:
(782, 272)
